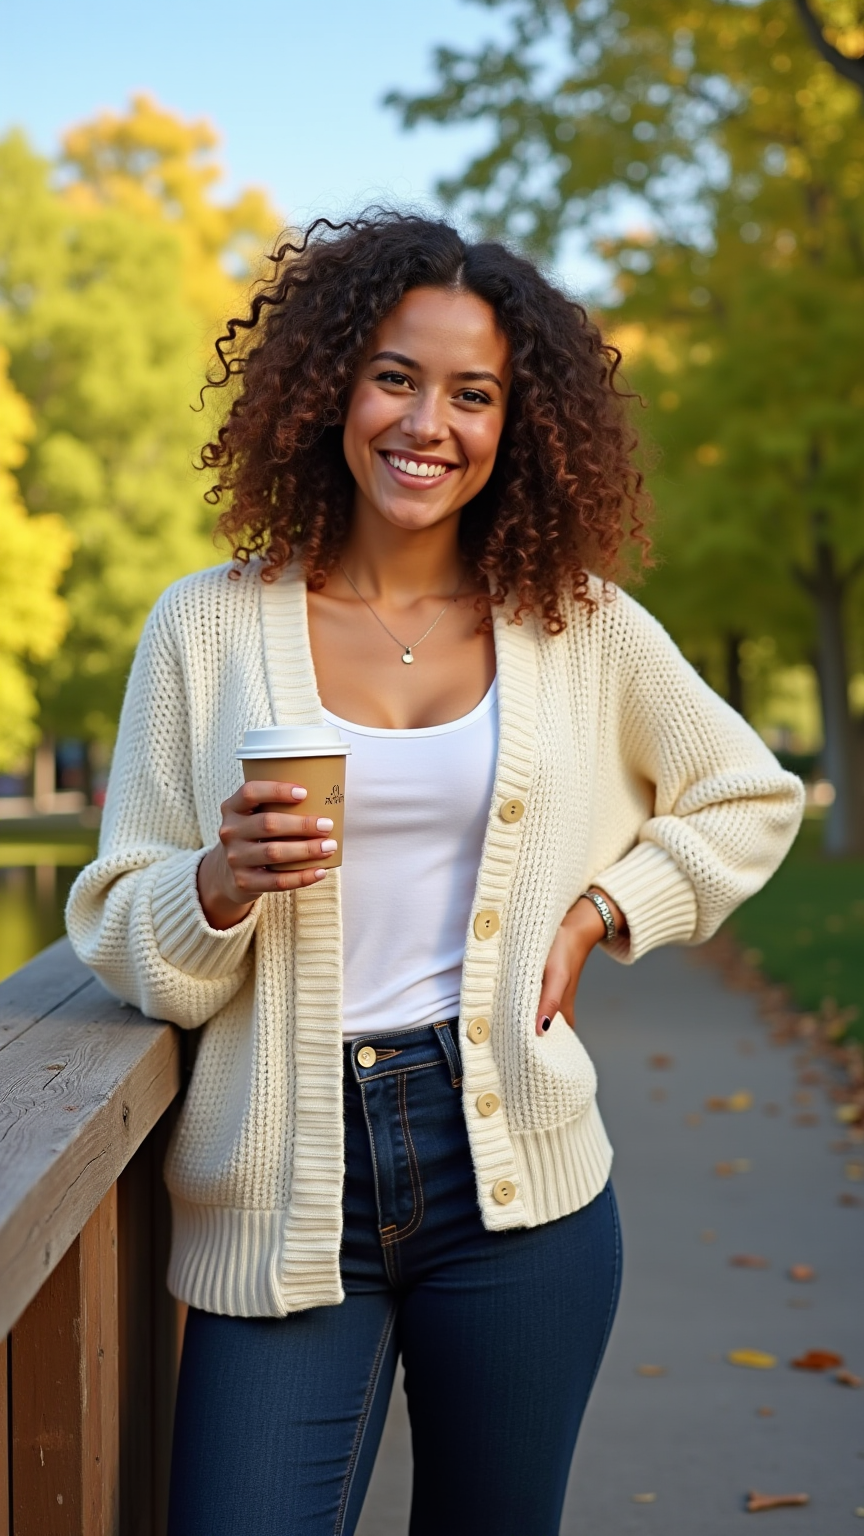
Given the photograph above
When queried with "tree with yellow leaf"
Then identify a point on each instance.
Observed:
(35, 553)
(113, 280)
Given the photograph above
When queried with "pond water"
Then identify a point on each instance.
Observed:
(32, 899)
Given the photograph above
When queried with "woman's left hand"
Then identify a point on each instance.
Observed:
(581, 929)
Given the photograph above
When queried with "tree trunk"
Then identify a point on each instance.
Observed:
(734, 680)
(827, 588)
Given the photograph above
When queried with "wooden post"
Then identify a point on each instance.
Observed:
(64, 1430)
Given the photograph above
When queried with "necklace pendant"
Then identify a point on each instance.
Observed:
(406, 656)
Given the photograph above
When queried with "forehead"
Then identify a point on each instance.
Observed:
(444, 329)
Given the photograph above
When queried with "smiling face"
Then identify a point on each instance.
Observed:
(427, 408)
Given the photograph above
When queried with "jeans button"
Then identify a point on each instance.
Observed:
(367, 1056)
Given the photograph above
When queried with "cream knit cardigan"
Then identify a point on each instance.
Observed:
(633, 774)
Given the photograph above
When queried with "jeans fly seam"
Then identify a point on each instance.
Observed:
(416, 1185)
(371, 1136)
(363, 1420)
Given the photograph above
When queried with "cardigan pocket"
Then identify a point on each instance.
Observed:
(562, 1084)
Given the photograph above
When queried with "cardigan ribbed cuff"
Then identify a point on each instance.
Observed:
(183, 935)
(656, 898)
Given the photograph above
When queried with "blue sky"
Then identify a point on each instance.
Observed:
(295, 90)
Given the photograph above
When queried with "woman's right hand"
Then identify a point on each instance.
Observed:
(235, 873)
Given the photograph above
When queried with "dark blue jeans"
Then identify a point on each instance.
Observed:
(501, 1334)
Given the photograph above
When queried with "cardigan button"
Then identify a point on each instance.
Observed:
(504, 1191)
(512, 810)
(367, 1056)
(478, 1031)
(486, 924)
(488, 1103)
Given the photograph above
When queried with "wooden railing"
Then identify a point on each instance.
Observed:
(90, 1335)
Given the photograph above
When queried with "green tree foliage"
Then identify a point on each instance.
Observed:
(113, 276)
(735, 155)
(36, 551)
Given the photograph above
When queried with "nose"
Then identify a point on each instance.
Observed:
(425, 421)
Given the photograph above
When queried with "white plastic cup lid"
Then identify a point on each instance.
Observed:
(294, 741)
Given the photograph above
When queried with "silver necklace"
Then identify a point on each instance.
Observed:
(407, 650)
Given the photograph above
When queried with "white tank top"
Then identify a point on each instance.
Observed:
(416, 808)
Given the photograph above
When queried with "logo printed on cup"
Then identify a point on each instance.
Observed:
(335, 796)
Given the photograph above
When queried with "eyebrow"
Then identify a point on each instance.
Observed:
(471, 376)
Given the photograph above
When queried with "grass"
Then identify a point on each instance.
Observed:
(806, 928)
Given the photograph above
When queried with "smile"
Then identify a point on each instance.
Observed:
(419, 469)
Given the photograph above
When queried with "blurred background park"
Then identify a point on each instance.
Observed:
(692, 169)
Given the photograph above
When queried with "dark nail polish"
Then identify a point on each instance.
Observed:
(545, 1022)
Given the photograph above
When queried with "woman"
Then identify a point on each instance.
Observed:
(391, 1143)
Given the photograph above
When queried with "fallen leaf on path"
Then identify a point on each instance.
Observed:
(847, 1198)
(817, 1360)
(765, 1413)
(848, 1114)
(643, 1498)
(754, 1359)
(802, 1272)
(735, 1102)
(661, 1063)
(848, 1379)
(855, 1171)
(651, 1370)
(758, 1501)
(749, 1261)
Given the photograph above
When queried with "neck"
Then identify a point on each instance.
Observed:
(400, 564)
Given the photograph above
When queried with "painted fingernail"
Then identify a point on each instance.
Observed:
(329, 845)
(298, 793)
(545, 1022)
(324, 824)
(320, 873)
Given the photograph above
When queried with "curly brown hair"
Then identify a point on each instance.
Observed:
(565, 496)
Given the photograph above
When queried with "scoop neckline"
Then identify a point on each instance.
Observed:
(482, 708)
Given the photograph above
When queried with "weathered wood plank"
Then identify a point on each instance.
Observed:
(65, 1395)
(4, 1438)
(79, 1091)
(39, 987)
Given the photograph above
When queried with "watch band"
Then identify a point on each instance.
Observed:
(605, 911)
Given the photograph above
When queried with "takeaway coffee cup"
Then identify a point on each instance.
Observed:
(311, 755)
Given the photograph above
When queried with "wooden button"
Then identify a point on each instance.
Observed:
(488, 1103)
(367, 1056)
(504, 1191)
(486, 924)
(512, 810)
(478, 1031)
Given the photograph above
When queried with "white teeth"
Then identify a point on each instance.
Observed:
(421, 469)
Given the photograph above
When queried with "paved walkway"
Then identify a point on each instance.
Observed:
(694, 1437)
